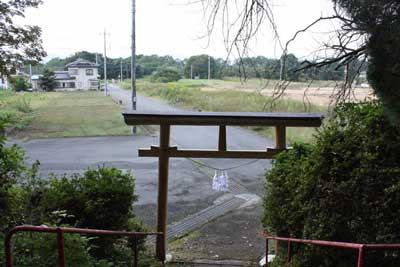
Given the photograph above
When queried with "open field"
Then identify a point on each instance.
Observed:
(317, 93)
(192, 95)
(64, 114)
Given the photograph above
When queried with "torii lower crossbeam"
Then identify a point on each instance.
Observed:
(221, 119)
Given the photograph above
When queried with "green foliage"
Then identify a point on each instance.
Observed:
(57, 64)
(198, 66)
(346, 188)
(11, 167)
(166, 75)
(47, 80)
(19, 44)
(34, 249)
(23, 105)
(18, 83)
(267, 68)
(379, 21)
(81, 197)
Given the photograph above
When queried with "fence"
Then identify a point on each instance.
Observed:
(362, 248)
(60, 239)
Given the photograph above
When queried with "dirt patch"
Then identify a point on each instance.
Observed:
(233, 236)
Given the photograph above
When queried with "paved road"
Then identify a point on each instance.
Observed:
(190, 189)
(204, 137)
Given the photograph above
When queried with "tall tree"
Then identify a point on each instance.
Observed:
(198, 66)
(19, 45)
(47, 80)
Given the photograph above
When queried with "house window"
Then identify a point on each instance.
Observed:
(89, 72)
(94, 84)
(73, 71)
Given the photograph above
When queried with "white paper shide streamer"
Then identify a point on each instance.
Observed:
(220, 181)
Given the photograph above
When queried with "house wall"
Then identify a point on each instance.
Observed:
(83, 77)
(35, 85)
(65, 85)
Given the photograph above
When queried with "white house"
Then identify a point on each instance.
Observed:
(81, 75)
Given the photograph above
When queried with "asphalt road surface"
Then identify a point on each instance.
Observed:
(189, 187)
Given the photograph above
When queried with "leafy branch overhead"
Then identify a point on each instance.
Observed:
(19, 45)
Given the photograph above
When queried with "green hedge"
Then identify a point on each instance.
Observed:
(345, 188)
(97, 199)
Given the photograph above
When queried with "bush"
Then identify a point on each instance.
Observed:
(165, 75)
(11, 168)
(23, 105)
(19, 84)
(346, 188)
(33, 249)
(98, 199)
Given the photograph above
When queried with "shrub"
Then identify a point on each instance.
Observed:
(346, 188)
(98, 199)
(165, 75)
(33, 249)
(19, 84)
(23, 105)
(11, 168)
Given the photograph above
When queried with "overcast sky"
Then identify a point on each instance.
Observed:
(164, 27)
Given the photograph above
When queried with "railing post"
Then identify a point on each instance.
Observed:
(162, 205)
(280, 137)
(61, 249)
(266, 252)
(135, 252)
(222, 138)
(361, 252)
(8, 249)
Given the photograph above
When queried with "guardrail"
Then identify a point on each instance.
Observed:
(362, 248)
(60, 231)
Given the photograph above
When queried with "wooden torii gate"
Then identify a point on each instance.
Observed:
(221, 119)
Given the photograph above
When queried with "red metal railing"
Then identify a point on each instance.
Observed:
(362, 248)
(60, 239)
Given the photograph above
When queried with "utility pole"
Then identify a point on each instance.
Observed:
(191, 72)
(105, 63)
(133, 60)
(30, 73)
(97, 59)
(209, 67)
(121, 75)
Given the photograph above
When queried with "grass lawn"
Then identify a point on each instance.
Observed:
(68, 114)
(189, 94)
(16, 106)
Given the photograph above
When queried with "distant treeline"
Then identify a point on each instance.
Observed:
(197, 67)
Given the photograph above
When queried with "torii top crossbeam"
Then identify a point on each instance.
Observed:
(222, 119)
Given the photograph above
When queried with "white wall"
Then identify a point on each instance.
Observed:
(83, 80)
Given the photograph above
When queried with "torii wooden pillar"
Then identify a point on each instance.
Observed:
(222, 119)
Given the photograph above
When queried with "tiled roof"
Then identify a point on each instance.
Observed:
(82, 63)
